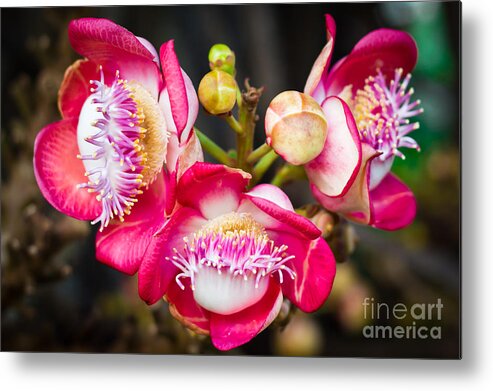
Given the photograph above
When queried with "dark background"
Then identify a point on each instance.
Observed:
(57, 297)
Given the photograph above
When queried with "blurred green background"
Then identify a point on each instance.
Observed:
(57, 297)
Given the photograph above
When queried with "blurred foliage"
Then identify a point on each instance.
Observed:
(57, 297)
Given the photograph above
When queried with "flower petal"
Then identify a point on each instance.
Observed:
(229, 331)
(122, 245)
(355, 203)
(214, 189)
(190, 153)
(315, 84)
(180, 158)
(178, 99)
(58, 171)
(393, 204)
(383, 49)
(115, 48)
(275, 217)
(184, 308)
(336, 168)
(315, 269)
(156, 272)
(272, 193)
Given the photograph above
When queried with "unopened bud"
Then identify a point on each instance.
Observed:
(295, 127)
(217, 92)
(223, 58)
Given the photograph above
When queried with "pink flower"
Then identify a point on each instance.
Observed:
(367, 103)
(120, 117)
(226, 257)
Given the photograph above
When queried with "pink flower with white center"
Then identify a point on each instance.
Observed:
(104, 160)
(368, 104)
(227, 257)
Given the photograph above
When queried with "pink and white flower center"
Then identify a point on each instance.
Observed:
(228, 263)
(122, 144)
(382, 110)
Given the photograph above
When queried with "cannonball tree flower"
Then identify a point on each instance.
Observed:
(103, 161)
(227, 257)
(368, 105)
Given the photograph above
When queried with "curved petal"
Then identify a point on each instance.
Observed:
(275, 217)
(122, 245)
(193, 109)
(315, 268)
(190, 153)
(156, 272)
(180, 159)
(272, 193)
(336, 168)
(76, 86)
(229, 331)
(150, 47)
(315, 84)
(355, 203)
(183, 307)
(115, 48)
(178, 97)
(213, 189)
(383, 49)
(393, 204)
(58, 171)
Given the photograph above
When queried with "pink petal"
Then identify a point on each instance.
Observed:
(335, 169)
(115, 48)
(355, 203)
(58, 171)
(190, 153)
(383, 49)
(179, 95)
(122, 245)
(156, 272)
(393, 204)
(150, 47)
(272, 193)
(193, 109)
(75, 86)
(315, 269)
(314, 84)
(183, 307)
(275, 217)
(214, 189)
(230, 331)
(180, 158)
(170, 184)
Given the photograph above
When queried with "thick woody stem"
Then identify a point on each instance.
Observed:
(247, 119)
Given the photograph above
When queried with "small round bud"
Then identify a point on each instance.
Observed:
(296, 127)
(217, 92)
(223, 58)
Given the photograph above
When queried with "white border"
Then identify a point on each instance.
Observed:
(82, 372)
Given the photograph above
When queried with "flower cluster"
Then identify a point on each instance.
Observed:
(223, 249)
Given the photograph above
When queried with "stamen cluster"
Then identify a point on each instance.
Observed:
(382, 111)
(120, 160)
(248, 253)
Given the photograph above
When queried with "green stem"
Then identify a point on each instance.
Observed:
(263, 165)
(258, 153)
(234, 124)
(213, 149)
(288, 173)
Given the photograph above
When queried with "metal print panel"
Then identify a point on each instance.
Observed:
(279, 180)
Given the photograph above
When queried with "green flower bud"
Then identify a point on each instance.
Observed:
(223, 58)
(217, 92)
